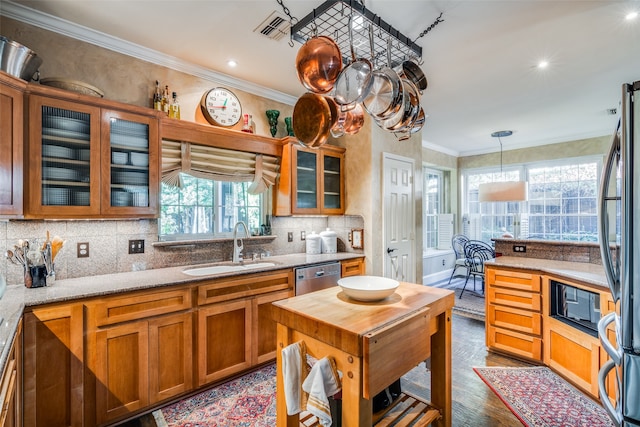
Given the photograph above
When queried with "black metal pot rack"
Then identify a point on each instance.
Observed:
(331, 19)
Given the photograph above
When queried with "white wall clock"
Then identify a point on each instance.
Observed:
(221, 107)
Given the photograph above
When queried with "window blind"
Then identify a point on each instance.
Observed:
(217, 164)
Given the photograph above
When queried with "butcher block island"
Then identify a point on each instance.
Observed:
(373, 344)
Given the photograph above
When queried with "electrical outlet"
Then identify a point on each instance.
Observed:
(136, 246)
(83, 250)
(303, 235)
(520, 249)
(290, 236)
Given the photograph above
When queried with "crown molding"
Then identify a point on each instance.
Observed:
(67, 28)
(440, 149)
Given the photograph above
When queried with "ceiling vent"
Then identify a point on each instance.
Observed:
(274, 27)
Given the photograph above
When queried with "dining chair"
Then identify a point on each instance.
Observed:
(476, 252)
(457, 243)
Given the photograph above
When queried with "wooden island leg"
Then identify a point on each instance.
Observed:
(441, 369)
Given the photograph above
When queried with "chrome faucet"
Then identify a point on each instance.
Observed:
(237, 248)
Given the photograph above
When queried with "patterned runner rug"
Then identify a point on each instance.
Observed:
(540, 398)
(249, 400)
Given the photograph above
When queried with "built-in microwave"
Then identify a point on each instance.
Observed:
(575, 306)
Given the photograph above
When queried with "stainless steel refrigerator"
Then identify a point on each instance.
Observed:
(619, 232)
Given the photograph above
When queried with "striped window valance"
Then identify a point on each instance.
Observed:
(219, 164)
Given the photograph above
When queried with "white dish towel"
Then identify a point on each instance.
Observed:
(322, 382)
(294, 370)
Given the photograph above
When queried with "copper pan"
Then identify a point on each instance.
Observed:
(312, 120)
(318, 64)
(349, 121)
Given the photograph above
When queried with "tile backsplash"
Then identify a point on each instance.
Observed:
(108, 244)
(556, 250)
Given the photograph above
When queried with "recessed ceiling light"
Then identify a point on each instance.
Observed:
(630, 16)
(543, 64)
(231, 63)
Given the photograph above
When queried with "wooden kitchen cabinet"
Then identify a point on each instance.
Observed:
(264, 327)
(11, 384)
(53, 366)
(140, 348)
(514, 312)
(235, 328)
(311, 181)
(90, 158)
(352, 267)
(575, 354)
(11, 145)
(224, 340)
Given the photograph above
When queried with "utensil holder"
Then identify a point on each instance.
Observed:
(37, 275)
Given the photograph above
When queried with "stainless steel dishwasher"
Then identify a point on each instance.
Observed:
(316, 277)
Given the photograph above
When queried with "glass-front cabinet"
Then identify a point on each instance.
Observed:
(86, 161)
(64, 159)
(317, 180)
(128, 183)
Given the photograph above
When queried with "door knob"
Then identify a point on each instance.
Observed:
(389, 250)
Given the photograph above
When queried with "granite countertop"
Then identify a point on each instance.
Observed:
(592, 274)
(16, 297)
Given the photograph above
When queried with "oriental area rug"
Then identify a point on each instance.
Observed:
(249, 400)
(540, 398)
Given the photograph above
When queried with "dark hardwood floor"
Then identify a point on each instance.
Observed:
(474, 404)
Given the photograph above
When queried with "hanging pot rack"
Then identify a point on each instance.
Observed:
(331, 18)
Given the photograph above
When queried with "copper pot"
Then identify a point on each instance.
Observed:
(354, 120)
(318, 64)
(349, 121)
(312, 120)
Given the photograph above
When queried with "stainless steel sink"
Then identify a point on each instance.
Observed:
(227, 268)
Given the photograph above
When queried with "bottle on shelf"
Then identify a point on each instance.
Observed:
(174, 108)
(246, 123)
(165, 100)
(157, 98)
(252, 124)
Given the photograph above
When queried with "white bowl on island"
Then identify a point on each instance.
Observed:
(368, 288)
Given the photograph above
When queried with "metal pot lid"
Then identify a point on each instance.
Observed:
(354, 82)
(385, 96)
(407, 113)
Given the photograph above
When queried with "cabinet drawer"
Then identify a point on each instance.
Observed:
(352, 267)
(514, 343)
(518, 280)
(515, 319)
(517, 299)
(123, 309)
(225, 289)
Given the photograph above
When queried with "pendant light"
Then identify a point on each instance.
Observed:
(504, 191)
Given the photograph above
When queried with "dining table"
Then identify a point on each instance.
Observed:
(373, 343)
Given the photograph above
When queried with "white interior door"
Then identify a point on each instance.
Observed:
(399, 218)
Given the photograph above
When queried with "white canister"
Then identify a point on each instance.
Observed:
(329, 241)
(314, 243)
